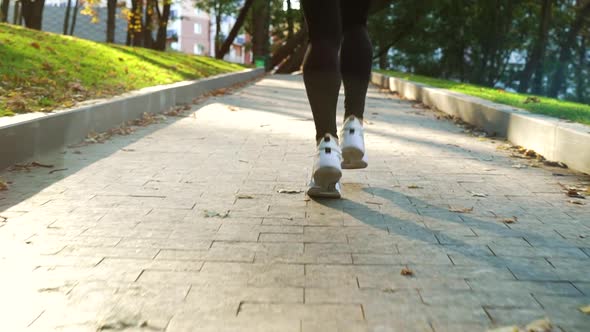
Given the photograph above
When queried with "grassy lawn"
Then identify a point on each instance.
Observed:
(560, 109)
(42, 71)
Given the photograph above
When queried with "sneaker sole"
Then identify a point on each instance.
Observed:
(327, 177)
(317, 192)
(352, 158)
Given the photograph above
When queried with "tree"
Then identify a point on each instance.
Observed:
(32, 11)
(261, 29)
(234, 31)
(74, 17)
(220, 9)
(290, 26)
(4, 10)
(537, 56)
(67, 17)
(565, 54)
(111, 13)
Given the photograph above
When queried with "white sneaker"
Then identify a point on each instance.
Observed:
(327, 170)
(353, 144)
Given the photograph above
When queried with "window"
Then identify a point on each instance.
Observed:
(197, 12)
(198, 29)
(198, 49)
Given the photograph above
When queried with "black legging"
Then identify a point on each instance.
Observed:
(336, 26)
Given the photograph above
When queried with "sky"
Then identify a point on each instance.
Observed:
(294, 4)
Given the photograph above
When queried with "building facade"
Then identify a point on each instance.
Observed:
(190, 30)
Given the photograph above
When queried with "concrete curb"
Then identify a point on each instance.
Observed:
(30, 136)
(555, 139)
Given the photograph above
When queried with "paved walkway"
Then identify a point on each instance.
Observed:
(180, 226)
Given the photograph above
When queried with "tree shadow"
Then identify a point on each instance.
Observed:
(411, 232)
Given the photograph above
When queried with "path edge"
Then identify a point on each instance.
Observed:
(26, 138)
(555, 139)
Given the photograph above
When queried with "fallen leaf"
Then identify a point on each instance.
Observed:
(407, 272)
(576, 202)
(510, 220)
(245, 197)
(519, 166)
(573, 192)
(585, 309)
(532, 99)
(461, 210)
(57, 170)
(513, 328)
(213, 214)
(541, 325)
(36, 164)
(478, 194)
(289, 191)
(413, 186)
(3, 186)
(233, 109)
(35, 45)
(554, 164)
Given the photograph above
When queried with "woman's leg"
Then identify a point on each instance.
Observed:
(356, 56)
(321, 67)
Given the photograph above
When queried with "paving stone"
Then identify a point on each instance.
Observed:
(125, 236)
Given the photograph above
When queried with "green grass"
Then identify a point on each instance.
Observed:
(542, 105)
(42, 71)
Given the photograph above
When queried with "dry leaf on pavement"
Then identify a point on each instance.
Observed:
(541, 325)
(573, 192)
(289, 191)
(213, 214)
(407, 272)
(479, 194)
(461, 210)
(3, 186)
(554, 164)
(413, 186)
(245, 197)
(510, 220)
(572, 201)
(585, 309)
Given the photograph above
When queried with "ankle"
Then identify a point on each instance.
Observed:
(327, 137)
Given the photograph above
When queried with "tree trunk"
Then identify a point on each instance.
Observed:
(234, 31)
(17, 16)
(288, 48)
(537, 55)
(217, 30)
(4, 10)
(581, 79)
(162, 26)
(67, 17)
(32, 11)
(136, 22)
(383, 60)
(260, 36)
(148, 39)
(565, 54)
(74, 17)
(295, 60)
(290, 27)
(111, 25)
